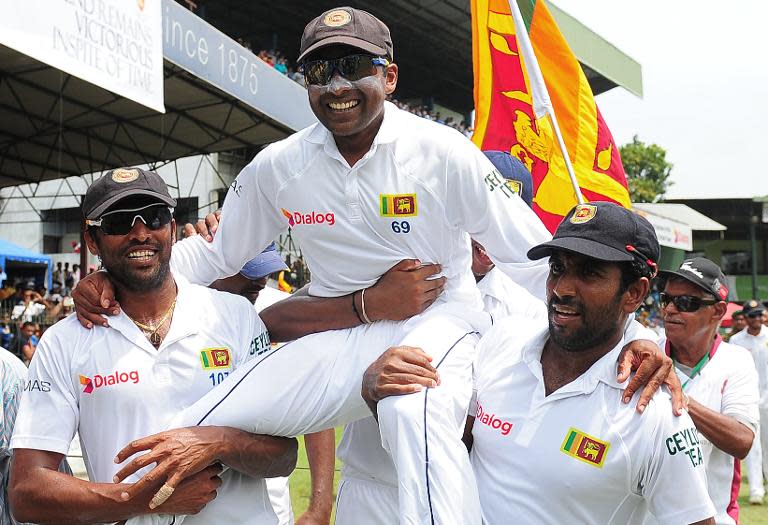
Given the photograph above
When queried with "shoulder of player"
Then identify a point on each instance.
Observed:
(414, 131)
(284, 157)
(12, 368)
(737, 338)
(67, 337)
(733, 356)
(220, 304)
(505, 343)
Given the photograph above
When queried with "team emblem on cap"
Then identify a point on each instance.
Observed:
(584, 213)
(515, 185)
(337, 18)
(123, 175)
(585, 448)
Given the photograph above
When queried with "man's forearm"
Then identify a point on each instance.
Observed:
(298, 316)
(723, 431)
(46, 496)
(256, 455)
(321, 453)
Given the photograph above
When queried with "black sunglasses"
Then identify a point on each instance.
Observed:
(685, 303)
(351, 67)
(120, 222)
(755, 314)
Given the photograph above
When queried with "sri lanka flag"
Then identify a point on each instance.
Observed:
(512, 102)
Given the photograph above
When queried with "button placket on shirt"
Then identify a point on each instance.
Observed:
(352, 187)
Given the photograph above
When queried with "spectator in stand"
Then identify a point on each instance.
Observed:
(281, 66)
(755, 339)
(3, 277)
(31, 305)
(57, 274)
(24, 344)
(75, 275)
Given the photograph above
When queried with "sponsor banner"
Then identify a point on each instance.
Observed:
(114, 44)
(670, 233)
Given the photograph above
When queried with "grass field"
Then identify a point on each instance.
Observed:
(300, 491)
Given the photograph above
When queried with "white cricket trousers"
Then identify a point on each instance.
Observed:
(314, 383)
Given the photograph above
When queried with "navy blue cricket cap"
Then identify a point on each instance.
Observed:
(604, 231)
(519, 178)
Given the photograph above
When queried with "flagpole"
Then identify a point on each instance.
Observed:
(568, 165)
(542, 105)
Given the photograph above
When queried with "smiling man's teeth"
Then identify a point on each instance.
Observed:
(339, 106)
(561, 310)
(141, 255)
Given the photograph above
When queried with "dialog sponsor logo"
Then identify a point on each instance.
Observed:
(115, 378)
(504, 427)
(298, 217)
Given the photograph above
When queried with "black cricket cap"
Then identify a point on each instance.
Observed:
(703, 273)
(120, 183)
(753, 306)
(348, 26)
(604, 231)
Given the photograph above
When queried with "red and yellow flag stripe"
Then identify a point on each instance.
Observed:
(505, 119)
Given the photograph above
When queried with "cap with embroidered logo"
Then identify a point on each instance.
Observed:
(604, 231)
(703, 273)
(753, 307)
(347, 26)
(120, 183)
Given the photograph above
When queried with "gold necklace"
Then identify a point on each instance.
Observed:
(151, 330)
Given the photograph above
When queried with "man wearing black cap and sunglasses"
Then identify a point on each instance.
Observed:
(718, 378)
(365, 188)
(755, 339)
(172, 343)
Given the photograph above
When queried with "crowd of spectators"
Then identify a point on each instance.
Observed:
(27, 309)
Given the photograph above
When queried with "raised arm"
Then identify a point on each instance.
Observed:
(39, 493)
(482, 205)
(249, 222)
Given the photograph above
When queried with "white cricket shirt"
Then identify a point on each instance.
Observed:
(578, 455)
(360, 448)
(758, 347)
(113, 386)
(503, 297)
(413, 195)
(726, 384)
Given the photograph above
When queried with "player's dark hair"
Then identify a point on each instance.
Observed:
(632, 271)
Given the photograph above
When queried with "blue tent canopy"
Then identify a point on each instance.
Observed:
(14, 252)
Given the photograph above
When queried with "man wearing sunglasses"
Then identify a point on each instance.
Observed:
(755, 339)
(718, 378)
(365, 188)
(172, 343)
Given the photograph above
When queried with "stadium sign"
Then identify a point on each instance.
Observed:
(196, 46)
(114, 44)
